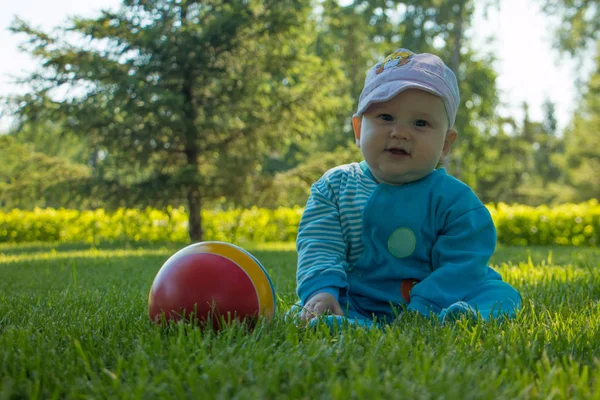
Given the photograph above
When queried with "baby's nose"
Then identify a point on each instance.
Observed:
(400, 131)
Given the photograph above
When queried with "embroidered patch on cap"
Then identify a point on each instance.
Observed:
(397, 59)
(402, 243)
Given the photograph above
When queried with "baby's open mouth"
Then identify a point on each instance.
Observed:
(398, 152)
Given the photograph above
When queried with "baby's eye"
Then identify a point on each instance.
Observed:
(421, 123)
(385, 117)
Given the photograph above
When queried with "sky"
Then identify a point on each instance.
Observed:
(529, 69)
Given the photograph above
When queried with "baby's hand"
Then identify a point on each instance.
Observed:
(319, 304)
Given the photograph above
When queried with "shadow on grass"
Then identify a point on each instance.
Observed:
(547, 255)
(113, 266)
(44, 247)
(279, 259)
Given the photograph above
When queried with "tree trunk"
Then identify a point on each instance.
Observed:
(193, 184)
(195, 218)
(194, 196)
(458, 32)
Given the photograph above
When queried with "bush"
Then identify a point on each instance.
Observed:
(567, 224)
(147, 225)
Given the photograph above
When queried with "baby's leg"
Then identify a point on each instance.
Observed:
(495, 298)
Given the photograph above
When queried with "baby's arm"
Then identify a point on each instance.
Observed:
(321, 253)
(460, 258)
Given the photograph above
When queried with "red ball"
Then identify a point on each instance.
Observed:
(211, 280)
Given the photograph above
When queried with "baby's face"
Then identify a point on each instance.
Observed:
(404, 138)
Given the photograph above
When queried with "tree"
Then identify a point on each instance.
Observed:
(529, 130)
(292, 187)
(550, 123)
(504, 170)
(548, 147)
(579, 30)
(579, 23)
(27, 177)
(184, 98)
(54, 139)
(539, 170)
(582, 142)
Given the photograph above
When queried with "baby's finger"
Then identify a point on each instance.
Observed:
(319, 309)
(337, 310)
(307, 312)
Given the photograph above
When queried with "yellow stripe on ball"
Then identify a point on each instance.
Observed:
(264, 291)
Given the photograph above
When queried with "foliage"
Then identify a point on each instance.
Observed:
(186, 97)
(292, 187)
(540, 172)
(27, 178)
(55, 140)
(74, 324)
(581, 160)
(476, 121)
(567, 224)
(500, 173)
(578, 32)
(579, 23)
(147, 225)
(242, 103)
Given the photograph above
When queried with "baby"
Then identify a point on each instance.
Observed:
(393, 233)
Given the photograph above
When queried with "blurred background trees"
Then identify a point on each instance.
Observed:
(180, 102)
(220, 104)
(580, 163)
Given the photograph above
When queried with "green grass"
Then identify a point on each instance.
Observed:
(74, 324)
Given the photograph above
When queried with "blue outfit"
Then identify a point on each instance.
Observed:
(378, 248)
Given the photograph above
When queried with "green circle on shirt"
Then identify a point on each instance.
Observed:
(402, 243)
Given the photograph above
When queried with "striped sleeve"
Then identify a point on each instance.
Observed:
(322, 250)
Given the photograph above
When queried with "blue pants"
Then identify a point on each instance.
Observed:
(492, 299)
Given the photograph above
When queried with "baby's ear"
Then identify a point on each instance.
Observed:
(448, 142)
(357, 124)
